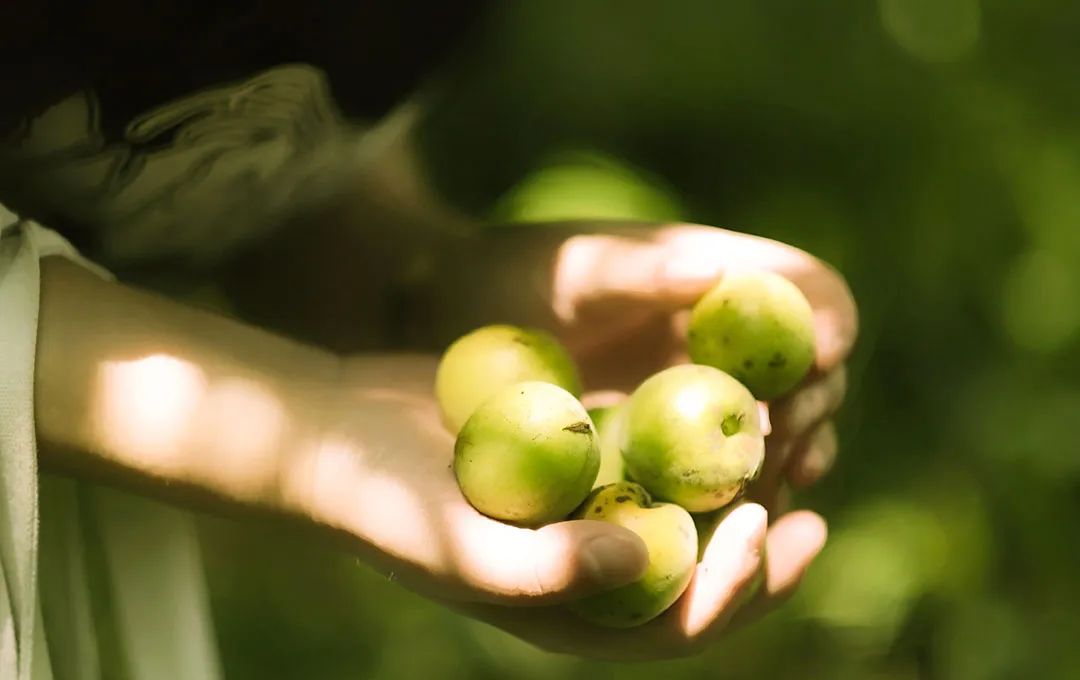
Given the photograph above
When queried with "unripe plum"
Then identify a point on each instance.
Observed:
(529, 454)
(758, 327)
(693, 436)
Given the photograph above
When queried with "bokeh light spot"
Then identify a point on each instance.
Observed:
(932, 30)
(1040, 307)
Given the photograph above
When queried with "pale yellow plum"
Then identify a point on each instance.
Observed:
(527, 455)
(491, 358)
(758, 327)
(669, 535)
(693, 437)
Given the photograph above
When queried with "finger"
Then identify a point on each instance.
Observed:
(791, 419)
(675, 266)
(793, 542)
(730, 563)
(765, 417)
(503, 564)
(696, 257)
(809, 464)
(817, 399)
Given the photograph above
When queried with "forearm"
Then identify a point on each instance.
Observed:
(134, 389)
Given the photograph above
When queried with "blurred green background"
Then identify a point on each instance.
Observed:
(930, 149)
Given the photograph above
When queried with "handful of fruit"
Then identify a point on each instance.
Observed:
(688, 439)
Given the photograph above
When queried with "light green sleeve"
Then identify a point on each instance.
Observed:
(94, 583)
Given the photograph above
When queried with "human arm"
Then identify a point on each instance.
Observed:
(366, 462)
(180, 404)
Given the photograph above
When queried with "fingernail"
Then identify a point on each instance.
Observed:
(612, 559)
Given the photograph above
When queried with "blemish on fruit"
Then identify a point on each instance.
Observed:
(580, 427)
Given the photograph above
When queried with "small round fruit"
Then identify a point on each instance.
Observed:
(488, 359)
(756, 326)
(669, 535)
(528, 455)
(693, 437)
(609, 427)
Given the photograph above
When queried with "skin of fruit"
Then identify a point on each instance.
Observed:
(756, 326)
(527, 455)
(609, 428)
(693, 436)
(488, 359)
(669, 535)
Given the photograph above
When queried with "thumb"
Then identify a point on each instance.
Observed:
(553, 564)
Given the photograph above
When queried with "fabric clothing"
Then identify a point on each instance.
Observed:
(59, 536)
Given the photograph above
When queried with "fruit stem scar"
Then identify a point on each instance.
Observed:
(731, 424)
(580, 427)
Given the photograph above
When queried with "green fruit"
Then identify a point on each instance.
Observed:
(481, 363)
(756, 326)
(693, 437)
(529, 454)
(668, 532)
(609, 427)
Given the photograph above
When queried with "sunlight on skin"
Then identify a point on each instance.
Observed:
(703, 255)
(493, 553)
(157, 410)
(338, 491)
(679, 263)
(575, 261)
(730, 563)
(147, 405)
(242, 426)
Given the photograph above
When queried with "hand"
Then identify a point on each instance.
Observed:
(622, 303)
(194, 408)
(618, 295)
(380, 479)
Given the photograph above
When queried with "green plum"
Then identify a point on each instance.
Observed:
(669, 536)
(609, 427)
(488, 359)
(528, 455)
(693, 436)
(756, 326)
